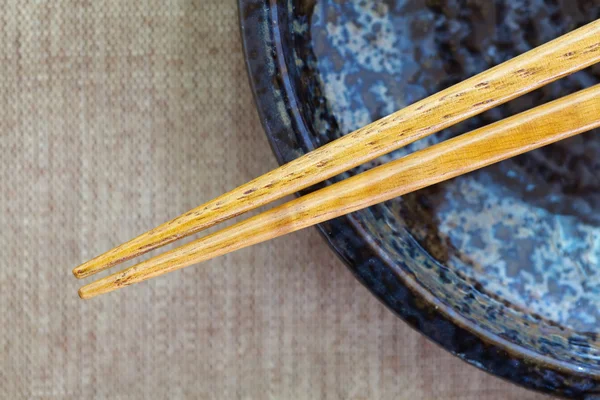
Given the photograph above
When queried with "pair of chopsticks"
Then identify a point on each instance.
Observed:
(529, 130)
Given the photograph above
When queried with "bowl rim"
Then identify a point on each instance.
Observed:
(276, 104)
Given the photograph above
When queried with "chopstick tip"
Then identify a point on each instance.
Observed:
(79, 272)
(98, 287)
(82, 294)
(90, 268)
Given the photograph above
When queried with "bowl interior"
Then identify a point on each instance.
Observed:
(515, 247)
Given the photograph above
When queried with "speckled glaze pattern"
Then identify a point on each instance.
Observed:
(500, 266)
(532, 243)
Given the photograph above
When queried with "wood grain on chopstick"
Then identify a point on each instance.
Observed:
(565, 55)
(527, 131)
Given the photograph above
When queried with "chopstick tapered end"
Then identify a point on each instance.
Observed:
(104, 285)
(81, 271)
(94, 266)
(96, 288)
(77, 273)
(83, 294)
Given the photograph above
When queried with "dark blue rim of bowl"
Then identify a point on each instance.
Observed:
(288, 136)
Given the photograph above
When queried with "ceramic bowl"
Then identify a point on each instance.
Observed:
(501, 266)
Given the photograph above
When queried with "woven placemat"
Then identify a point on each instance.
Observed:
(115, 116)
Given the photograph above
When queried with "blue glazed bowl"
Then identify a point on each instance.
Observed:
(501, 266)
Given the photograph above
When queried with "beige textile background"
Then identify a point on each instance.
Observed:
(115, 116)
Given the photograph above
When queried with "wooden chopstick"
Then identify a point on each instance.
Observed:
(532, 129)
(565, 55)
